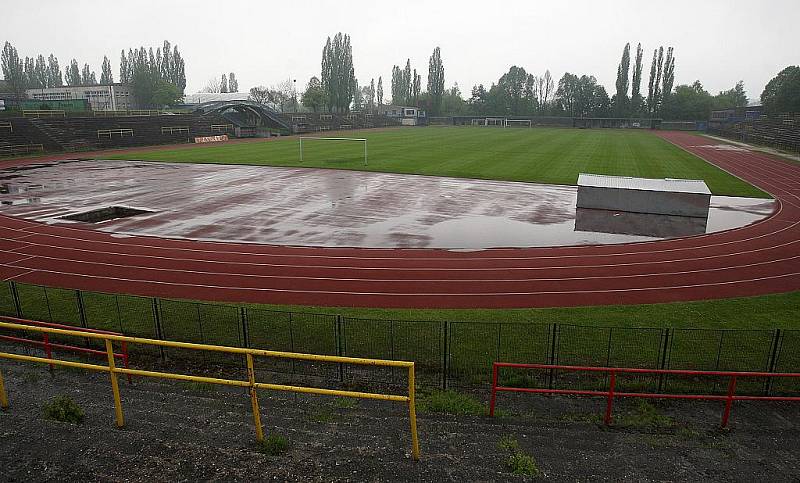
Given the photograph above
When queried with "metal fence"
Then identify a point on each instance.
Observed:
(446, 353)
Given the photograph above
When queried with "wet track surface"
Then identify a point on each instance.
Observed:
(763, 257)
(335, 208)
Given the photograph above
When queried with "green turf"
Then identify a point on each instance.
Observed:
(516, 154)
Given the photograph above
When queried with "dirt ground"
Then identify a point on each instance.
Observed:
(182, 432)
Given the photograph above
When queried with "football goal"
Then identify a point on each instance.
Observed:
(518, 123)
(495, 121)
(316, 149)
(478, 122)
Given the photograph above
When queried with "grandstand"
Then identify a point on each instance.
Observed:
(781, 132)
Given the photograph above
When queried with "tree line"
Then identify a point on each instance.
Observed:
(158, 77)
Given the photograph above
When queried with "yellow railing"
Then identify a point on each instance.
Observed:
(250, 383)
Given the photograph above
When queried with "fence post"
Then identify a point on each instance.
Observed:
(445, 354)
(729, 401)
(553, 356)
(15, 296)
(245, 328)
(772, 363)
(610, 402)
(82, 315)
(159, 330)
(112, 372)
(663, 365)
(339, 348)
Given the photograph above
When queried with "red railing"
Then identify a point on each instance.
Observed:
(611, 393)
(49, 346)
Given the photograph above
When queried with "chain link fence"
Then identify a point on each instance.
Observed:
(447, 353)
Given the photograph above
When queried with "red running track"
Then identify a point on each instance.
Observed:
(761, 258)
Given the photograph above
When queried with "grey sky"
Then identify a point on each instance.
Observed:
(718, 42)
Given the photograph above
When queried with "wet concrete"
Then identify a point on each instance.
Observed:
(318, 207)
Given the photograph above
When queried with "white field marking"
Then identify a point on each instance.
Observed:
(441, 259)
(780, 208)
(721, 147)
(18, 275)
(422, 280)
(398, 269)
(434, 294)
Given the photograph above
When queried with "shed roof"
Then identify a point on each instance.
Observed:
(644, 184)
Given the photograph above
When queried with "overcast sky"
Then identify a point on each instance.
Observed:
(264, 42)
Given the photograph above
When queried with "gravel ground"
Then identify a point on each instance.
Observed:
(182, 432)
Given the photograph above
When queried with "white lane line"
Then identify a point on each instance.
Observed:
(432, 294)
(461, 279)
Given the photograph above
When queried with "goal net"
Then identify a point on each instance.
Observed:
(339, 150)
(478, 122)
(495, 121)
(518, 123)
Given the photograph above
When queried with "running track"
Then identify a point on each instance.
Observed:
(758, 259)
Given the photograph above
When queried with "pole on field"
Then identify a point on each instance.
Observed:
(301, 150)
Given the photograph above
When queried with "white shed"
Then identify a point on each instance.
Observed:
(682, 197)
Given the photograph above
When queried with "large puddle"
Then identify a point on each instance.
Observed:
(318, 207)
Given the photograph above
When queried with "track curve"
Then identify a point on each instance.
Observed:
(757, 259)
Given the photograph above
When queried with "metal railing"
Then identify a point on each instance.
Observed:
(21, 149)
(44, 113)
(174, 129)
(250, 383)
(49, 345)
(447, 353)
(612, 392)
(109, 133)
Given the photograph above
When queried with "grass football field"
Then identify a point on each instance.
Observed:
(540, 155)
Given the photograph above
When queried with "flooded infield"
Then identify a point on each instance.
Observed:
(334, 208)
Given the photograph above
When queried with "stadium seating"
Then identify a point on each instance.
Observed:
(782, 132)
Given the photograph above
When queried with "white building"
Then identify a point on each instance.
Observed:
(112, 97)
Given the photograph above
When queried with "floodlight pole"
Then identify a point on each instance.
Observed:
(301, 149)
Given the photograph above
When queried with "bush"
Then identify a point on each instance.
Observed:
(521, 464)
(517, 461)
(451, 402)
(273, 445)
(64, 409)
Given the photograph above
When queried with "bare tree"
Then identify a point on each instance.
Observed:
(260, 95)
(284, 94)
(212, 86)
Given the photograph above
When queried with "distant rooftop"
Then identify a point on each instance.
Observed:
(644, 184)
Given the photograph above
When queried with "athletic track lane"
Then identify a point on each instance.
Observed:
(757, 259)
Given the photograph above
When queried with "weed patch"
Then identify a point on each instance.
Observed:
(450, 402)
(273, 445)
(64, 409)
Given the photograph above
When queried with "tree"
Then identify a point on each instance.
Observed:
(782, 92)
(416, 87)
(452, 102)
(436, 81)
(338, 75)
(165, 94)
(731, 98)
(233, 84)
(407, 82)
(260, 94)
(371, 96)
(124, 71)
(513, 94)
(13, 70)
(72, 74)
(358, 97)
(87, 76)
(380, 91)
(29, 68)
(689, 103)
(106, 77)
(621, 104)
(54, 78)
(669, 77)
(223, 84)
(212, 86)
(636, 87)
(398, 89)
(479, 99)
(40, 71)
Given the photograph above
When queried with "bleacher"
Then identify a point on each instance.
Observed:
(781, 132)
(311, 122)
(81, 133)
(18, 137)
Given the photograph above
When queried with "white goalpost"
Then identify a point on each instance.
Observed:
(495, 121)
(518, 122)
(335, 140)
